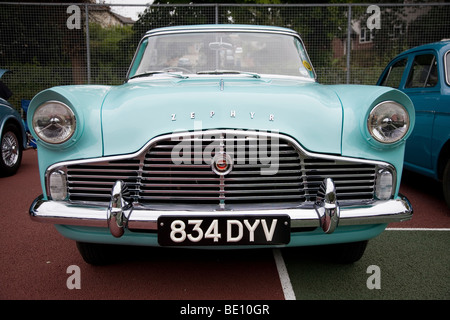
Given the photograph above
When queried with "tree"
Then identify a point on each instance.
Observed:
(426, 24)
(39, 35)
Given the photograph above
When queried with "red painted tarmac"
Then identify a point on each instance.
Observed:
(35, 257)
(427, 200)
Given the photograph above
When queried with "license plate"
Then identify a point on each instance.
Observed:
(223, 230)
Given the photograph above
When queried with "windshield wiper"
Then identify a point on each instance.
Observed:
(254, 75)
(150, 73)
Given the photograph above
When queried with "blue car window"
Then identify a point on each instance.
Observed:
(394, 75)
(423, 72)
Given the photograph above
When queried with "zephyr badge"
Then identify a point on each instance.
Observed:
(222, 164)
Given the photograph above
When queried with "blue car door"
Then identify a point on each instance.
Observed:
(421, 84)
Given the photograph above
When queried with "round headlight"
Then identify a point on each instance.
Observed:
(54, 122)
(388, 122)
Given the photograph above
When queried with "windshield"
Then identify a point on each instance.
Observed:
(202, 53)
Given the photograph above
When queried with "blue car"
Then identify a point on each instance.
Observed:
(13, 138)
(220, 137)
(423, 73)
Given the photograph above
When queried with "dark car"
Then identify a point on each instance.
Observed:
(13, 139)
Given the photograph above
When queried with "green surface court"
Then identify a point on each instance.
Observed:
(409, 264)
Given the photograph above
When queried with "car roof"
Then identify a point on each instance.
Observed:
(438, 46)
(2, 72)
(205, 27)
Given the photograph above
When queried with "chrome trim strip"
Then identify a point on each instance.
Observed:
(447, 68)
(59, 212)
(221, 28)
(265, 77)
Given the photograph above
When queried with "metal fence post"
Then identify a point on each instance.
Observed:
(349, 40)
(88, 48)
(217, 13)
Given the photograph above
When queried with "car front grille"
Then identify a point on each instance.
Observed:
(269, 170)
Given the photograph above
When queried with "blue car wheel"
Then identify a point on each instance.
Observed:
(98, 254)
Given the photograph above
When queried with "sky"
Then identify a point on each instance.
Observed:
(127, 11)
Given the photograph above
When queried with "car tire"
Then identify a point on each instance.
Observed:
(446, 183)
(347, 253)
(10, 150)
(96, 254)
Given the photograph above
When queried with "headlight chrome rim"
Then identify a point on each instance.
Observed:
(379, 129)
(64, 120)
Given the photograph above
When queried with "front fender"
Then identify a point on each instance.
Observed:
(357, 102)
(19, 125)
(86, 102)
(9, 115)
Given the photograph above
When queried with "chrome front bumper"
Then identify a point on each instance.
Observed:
(120, 215)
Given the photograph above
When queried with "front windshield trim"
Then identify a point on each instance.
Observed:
(288, 32)
(158, 72)
(241, 77)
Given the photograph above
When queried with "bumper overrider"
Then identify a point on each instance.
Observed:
(121, 214)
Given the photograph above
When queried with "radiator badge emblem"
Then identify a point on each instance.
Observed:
(222, 164)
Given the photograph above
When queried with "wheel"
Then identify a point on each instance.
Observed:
(11, 150)
(446, 183)
(346, 253)
(96, 254)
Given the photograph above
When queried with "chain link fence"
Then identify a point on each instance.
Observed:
(45, 45)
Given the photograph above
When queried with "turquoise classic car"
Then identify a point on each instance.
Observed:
(423, 73)
(220, 137)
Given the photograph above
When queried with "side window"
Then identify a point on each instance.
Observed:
(394, 75)
(423, 72)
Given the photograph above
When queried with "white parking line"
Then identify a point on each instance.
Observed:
(284, 276)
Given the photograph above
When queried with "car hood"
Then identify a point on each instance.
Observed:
(139, 110)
